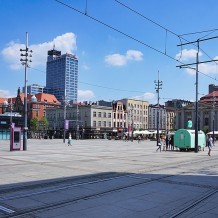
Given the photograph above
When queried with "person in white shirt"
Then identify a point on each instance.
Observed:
(210, 144)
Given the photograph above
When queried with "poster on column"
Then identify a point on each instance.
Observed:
(66, 125)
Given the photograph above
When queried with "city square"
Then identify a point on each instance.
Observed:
(108, 109)
(106, 178)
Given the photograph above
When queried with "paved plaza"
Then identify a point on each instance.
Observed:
(106, 178)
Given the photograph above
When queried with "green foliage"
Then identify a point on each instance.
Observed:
(34, 123)
(44, 122)
(205, 130)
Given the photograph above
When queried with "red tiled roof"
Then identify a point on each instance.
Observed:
(213, 96)
(2, 100)
(41, 97)
(44, 97)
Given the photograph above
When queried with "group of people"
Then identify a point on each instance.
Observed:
(165, 143)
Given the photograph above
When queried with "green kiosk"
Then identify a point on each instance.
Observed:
(184, 139)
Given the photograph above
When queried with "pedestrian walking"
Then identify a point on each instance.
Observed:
(163, 143)
(210, 144)
(69, 139)
(167, 141)
(139, 139)
(159, 145)
(172, 142)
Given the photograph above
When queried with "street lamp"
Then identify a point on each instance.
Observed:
(24, 61)
(132, 123)
(66, 102)
(130, 118)
(11, 108)
(214, 102)
(158, 86)
(77, 121)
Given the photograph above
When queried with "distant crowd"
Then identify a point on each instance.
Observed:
(165, 142)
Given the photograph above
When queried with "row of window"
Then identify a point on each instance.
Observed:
(101, 124)
(101, 114)
(138, 106)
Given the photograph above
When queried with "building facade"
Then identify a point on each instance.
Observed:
(119, 115)
(35, 89)
(36, 106)
(90, 120)
(207, 115)
(62, 75)
(153, 114)
(177, 103)
(137, 113)
(170, 118)
(212, 88)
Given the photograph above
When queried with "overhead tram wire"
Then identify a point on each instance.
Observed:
(166, 29)
(131, 37)
(199, 32)
(104, 87)
(107, 25)
(119, 31)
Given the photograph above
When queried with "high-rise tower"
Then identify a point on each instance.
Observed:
(62, 75)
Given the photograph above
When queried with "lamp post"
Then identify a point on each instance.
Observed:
(213, 127)
(65, 124)
(24, 61)
(132, 123)
(158, 86)
(77, 121)
(11, 108)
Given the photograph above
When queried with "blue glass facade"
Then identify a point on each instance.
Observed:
(61, 75)
(35, 89)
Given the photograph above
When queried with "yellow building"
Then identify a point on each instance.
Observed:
(137, 111)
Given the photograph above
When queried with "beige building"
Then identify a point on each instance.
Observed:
(170, 118)
(137, 111)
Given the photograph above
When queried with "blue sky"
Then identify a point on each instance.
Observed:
(112, 66)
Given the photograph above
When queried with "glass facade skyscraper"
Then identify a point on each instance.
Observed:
(62, 75)
(35, 89)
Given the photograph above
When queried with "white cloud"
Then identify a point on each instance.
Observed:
(186, 54)
(116, 60)
(134, 55)
(206, 68)
(147, 96)
(85, 95)
(121, 60)
(6, 94)
(66, 43)
(85, 67)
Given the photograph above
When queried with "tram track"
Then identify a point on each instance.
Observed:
(84, 197)
(136, 171)
(62, 203)
(86, 178)
(94, 180)
(194, 204)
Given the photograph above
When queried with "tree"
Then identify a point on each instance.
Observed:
(44, 122)
(34, 123)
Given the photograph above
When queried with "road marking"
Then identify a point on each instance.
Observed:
(7, 210)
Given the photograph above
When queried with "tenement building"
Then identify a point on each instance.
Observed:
(85, 120)
(137, 112)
